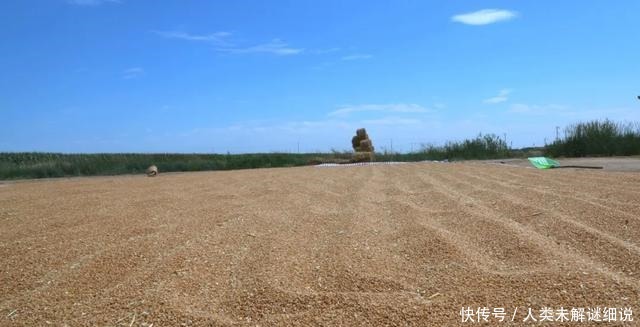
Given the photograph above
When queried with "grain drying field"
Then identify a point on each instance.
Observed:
(377, 245)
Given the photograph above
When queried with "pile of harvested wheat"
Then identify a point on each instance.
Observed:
(362, 146)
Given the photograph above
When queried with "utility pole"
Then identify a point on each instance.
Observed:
(557, 133)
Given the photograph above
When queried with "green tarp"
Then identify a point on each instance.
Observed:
(543, 162)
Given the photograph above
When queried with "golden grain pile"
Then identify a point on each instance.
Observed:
(362, 146)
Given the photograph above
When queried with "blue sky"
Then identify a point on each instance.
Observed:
(253, 76)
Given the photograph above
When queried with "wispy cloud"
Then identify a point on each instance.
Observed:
(339, 60)
(357, 57)
(324, 51)
(133, 72)
(223, 43)
(502, 96)
(485, 16)
(393, 108)
(91, 2)
(318, 135)
(218, 38)
(275, 46)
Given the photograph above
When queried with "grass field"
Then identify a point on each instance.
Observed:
(355, 246)
(44, 165)
(594, 138)
(597, 138)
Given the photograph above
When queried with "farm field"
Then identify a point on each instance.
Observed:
(407, 244)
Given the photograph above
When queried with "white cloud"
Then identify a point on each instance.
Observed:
(217, 38)
(357, 57)
(223, 44)
(485, 16)
(133, 72)
(502, 96)
(275, 46)
(393, 107)
(333, 131)
(91, 2)
(406, 133)
(325, 51)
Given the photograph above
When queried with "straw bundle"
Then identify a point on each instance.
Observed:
(365, 146)
(362, 146)
(355, 142)
(361, 141)
(361, 133)
(152, 171)
(363, 157)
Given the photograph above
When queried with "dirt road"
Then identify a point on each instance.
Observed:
(380, 245)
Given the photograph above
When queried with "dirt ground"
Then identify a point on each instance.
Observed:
(354, 246)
